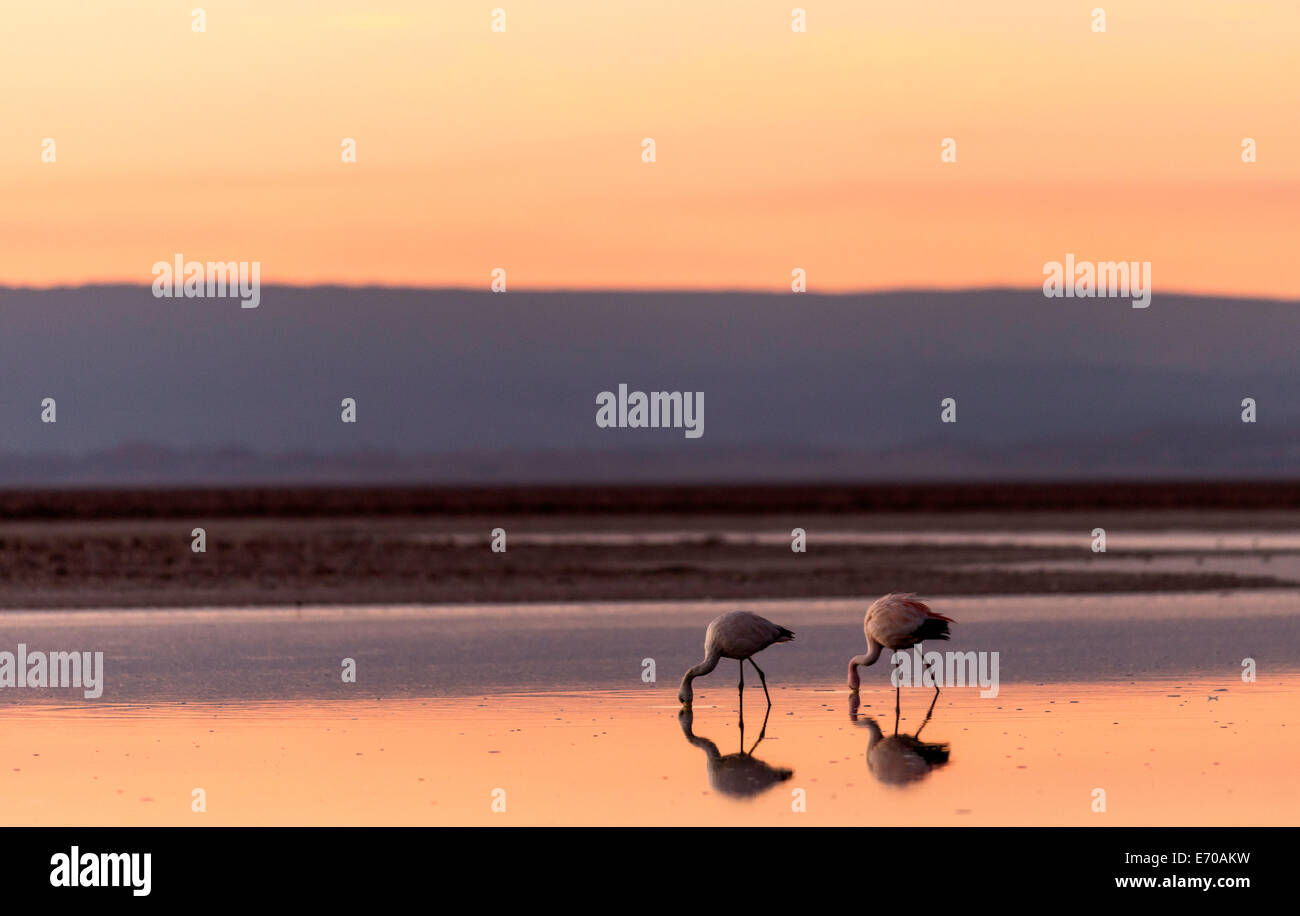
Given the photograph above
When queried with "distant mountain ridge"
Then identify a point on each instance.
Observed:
(462, 386)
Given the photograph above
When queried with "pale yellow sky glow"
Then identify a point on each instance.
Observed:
(775, 149)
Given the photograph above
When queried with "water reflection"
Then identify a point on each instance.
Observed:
(739, 775)
(899, 760)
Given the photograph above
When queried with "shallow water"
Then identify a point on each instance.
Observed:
(1282, 566)
(1165, 751)
(466, 650)
(1116, 540)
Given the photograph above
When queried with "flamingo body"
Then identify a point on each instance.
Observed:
(896, 621)
(739, 635)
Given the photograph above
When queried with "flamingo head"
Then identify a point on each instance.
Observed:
(854, 680)
(857, 660)
(686, 694)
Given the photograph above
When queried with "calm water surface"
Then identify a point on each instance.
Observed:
(1167, 751)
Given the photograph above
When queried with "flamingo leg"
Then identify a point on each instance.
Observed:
(741, 690)
(928, 713)
(897, 697)
(936, 683)
(762, 733)
(763, 679)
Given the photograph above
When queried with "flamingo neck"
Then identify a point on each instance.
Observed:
(873, 653)
(699, 670)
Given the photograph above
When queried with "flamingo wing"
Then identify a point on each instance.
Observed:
(899, 620)
(740, 634)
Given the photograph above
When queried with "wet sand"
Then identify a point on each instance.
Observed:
(148, 562)
(1168, 751)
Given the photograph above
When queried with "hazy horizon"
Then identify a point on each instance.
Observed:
(652, 290)
(475, 387)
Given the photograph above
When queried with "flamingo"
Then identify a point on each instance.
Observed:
(897, 621)
(739, 635)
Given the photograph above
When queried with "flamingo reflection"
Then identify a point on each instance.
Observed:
(899, 760)
(739, 775)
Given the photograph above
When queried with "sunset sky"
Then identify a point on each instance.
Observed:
(775, 149)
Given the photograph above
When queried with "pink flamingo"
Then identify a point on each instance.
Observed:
(897, 621)
(739, 635)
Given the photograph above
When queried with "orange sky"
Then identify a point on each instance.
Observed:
(775, 149)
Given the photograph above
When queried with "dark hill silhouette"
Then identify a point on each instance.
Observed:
(467, 386)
